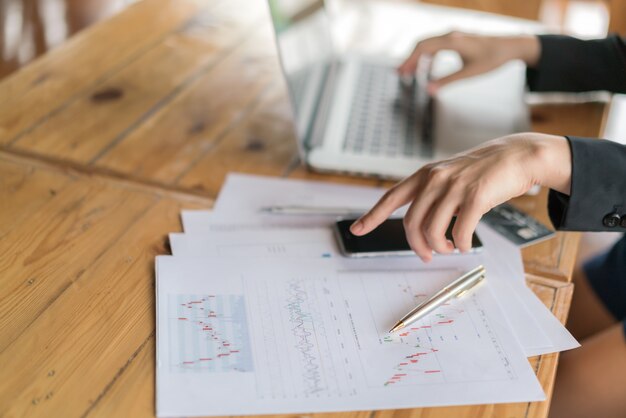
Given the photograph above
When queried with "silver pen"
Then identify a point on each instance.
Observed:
(312, 210)
(457, 288)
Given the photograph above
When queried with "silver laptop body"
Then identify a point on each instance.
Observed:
(353, 114)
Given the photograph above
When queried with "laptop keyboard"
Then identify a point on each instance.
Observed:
(383, 119)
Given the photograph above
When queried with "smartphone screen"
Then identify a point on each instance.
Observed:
(388, 239)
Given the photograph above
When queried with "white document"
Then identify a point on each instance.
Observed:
(309, 243)
(243, 196)
(309, 336)
(319, 243)
(499, 248)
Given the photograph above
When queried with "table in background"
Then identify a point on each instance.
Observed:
(103, 141)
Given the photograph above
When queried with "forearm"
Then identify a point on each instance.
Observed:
(526, 48)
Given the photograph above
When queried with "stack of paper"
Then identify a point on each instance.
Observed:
(259, 314)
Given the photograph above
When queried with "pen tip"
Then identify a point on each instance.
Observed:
(396, 327)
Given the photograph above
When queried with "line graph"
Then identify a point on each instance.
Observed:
(412, 366)
(208, 333)
(427, 351)
(303, 330)
(301, 354)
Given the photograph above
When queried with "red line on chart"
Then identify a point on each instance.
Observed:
(406, 369)
(208, 329)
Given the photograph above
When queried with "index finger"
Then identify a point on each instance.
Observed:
(428, 46)
(399, 195)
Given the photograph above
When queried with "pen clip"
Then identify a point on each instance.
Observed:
(477, 282)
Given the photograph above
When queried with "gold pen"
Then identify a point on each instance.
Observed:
(455, 289)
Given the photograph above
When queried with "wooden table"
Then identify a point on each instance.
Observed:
(102, 142)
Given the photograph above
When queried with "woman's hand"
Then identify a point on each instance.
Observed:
(479, 53)
(468, 185)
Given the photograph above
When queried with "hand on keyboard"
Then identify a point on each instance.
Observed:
(479, 54)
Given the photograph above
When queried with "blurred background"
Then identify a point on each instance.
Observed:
(29, 28)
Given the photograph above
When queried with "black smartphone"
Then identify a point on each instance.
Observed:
(387, 240)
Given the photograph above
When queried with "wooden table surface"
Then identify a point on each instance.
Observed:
(103, 141)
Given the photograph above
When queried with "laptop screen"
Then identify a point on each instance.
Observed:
(305, 47)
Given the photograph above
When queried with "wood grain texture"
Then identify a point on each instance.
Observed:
(127, 97)
(617, 16)
(23, 191)
(94, 54)
(262, 143)
(523, 9)
(80, 290)
(557, 296)
(201, 115)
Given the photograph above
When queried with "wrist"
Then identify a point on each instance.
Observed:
(526, 48)
(554, 158)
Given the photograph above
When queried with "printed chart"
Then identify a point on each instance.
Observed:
(303, 351)
(209, 333)
(310, 335)
(430, 350)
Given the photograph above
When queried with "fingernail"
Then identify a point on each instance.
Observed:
(356, 227)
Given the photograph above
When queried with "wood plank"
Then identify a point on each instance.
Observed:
(580, 119)
(617, 16)
(188, 127)
(300, 172)
(51, 250)
(557, 296)
(24, 190)
(131, 393)
(90, 307)
(85, 59)
(101, 319)
(469, 411)
(262, 143)
(522, 9)
(106, 112)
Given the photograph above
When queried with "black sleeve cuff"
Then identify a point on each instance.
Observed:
(572, 65)
(598, 188)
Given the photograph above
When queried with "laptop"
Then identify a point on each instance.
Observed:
(353, 114)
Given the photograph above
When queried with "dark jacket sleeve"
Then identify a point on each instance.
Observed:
(572, 65)
(598, 188)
